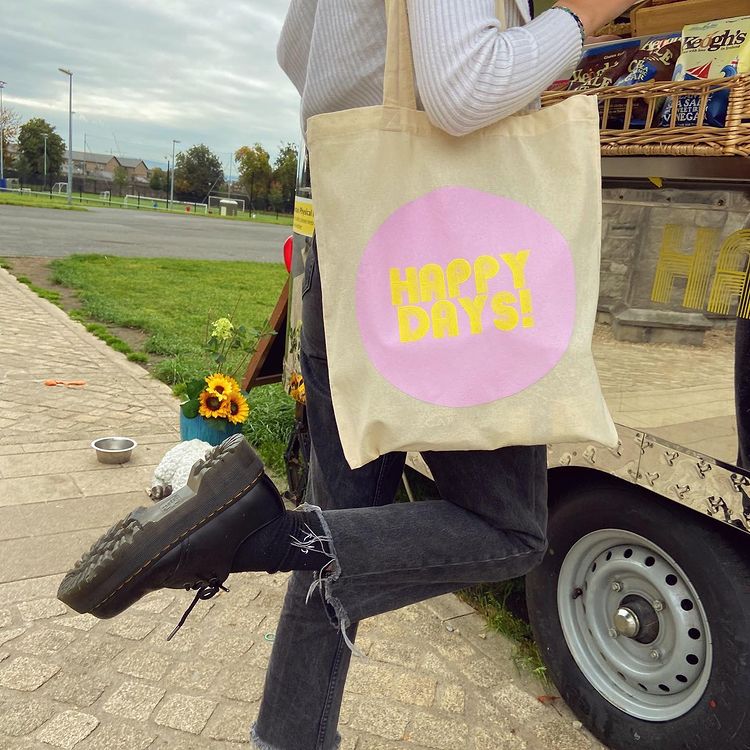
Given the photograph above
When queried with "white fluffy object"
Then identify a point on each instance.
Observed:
(174, 468)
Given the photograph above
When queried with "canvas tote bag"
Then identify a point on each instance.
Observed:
(460, 276)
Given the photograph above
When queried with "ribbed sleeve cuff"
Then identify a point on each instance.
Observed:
(559, 39)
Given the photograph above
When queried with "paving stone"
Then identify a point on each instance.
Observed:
(451, 698)
(78, 622)
(230, 723)
(23, 717)
(383, 681)
(117, 737)
(21, 491)
(154, 603)
(44, 642)
(146, 665)
(41, 609)
(185, 712)
(560, 737)
(430, 731)
(24, 673)
(80, 689)
(380, 717)
(395, 653)
(500, 739)
(94, 652)
(243, 682)
(67, 729)
(131, 626)
(134, 701)
(9, 635)
(194, 675)
(27, 589)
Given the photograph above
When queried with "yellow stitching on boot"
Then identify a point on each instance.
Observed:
(173, 543)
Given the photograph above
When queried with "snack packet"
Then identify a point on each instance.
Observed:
(602, 64)
(716, 49)
(655, 60)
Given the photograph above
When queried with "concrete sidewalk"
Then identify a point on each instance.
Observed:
(432, 678)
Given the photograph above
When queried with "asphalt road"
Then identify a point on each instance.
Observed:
(51, 233)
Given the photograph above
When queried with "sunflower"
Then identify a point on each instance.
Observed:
(221, 385)
(297, 388)
(237, 408)
(211, 405)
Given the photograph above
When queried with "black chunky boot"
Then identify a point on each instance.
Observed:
(186, 541)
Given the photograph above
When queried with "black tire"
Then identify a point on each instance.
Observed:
(715, 565)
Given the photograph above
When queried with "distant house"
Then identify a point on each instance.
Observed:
(102, 166)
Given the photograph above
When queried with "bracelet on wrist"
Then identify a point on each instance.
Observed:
(575, 16)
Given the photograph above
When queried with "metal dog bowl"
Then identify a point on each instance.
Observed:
(113, 450)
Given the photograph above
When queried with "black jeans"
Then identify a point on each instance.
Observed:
(490, 526)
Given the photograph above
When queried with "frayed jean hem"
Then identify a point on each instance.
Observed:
(326, 577)
(260, 744)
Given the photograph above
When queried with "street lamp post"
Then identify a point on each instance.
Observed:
(2, 135)
(171, 185)
(45, 136)
(70, 133)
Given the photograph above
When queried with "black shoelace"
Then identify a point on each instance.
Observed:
(205, 591)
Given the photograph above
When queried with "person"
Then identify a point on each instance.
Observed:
(356, 554)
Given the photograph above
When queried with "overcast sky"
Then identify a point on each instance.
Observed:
(148, 71)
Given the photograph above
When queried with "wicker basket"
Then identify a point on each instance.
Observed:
(653, 140)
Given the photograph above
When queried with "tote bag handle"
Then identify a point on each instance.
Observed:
(398, 83)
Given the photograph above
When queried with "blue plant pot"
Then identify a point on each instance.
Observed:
(198, 428)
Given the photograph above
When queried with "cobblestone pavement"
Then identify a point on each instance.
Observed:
(431, 678)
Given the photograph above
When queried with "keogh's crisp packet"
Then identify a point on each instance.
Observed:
(654, 61)
(716, 49)
(603, 64)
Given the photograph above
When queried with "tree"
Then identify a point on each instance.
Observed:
(158, 179)
(10, 123)
(196, 171)
(254, 170)
(120, 178)
(276, 196)
(31, 150)
(285, 174)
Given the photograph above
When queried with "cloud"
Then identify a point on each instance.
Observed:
(146, 72)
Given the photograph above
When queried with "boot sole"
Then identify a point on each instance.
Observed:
(105, 576)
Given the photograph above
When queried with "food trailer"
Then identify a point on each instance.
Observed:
(641, 608)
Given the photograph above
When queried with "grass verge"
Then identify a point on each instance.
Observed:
(35, 201)
(171, 302)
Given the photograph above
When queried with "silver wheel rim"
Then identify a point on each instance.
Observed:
(652, 661)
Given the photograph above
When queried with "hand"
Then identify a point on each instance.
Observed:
(596, 13)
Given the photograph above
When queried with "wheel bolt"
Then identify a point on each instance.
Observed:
(612, 633)
(657, 605)
(616, 586)
(655, 654)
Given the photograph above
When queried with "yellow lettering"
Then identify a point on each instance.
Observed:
(507, 316)
(517, 264)
(431, 283)
(474, 308)
(444, 319)
(485, 267)
(408, 286)
(407, 315)
(457, 273)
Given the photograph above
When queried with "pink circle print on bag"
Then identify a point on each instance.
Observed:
(464, 297)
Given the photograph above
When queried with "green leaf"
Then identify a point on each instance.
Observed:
(194, 388)
(190, 408)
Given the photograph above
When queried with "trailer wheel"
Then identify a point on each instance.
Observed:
(641, 611)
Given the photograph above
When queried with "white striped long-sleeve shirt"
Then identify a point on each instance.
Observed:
(469, 71)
